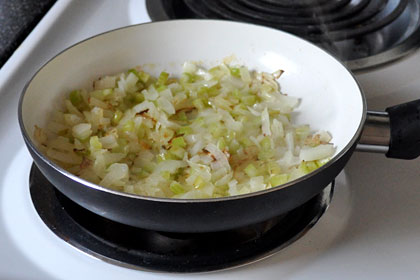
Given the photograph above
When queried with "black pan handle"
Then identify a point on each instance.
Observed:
(404, 120)
(395, 132)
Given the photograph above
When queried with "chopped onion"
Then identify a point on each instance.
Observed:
(210, 133)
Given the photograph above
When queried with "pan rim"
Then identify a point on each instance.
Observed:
(94, 186)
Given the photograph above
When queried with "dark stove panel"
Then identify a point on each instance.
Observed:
(17, 19)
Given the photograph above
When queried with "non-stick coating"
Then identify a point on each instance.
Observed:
(310, 73)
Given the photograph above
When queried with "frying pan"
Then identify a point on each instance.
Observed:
(331, 99)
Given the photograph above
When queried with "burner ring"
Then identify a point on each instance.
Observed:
(292, 6)
(364, 34)
(157, 251)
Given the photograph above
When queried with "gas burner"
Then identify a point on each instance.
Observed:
(362, 33)
(172, 252)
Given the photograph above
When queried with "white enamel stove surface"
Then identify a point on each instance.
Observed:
(371, 230)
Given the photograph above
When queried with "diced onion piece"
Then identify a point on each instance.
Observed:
(145, 106)
(254, 112)
(97, 102)
(316, 153)
(324, 136)
(251, 171)
(166, 105)
(128, 83)
(265, 120)
(82, 131)
(109, 141)
(277, 129)
(290, 142)
(151, 93)
(230, 122)
(117, 175)
(278, 180)
(176, 188)
(71, 109)
(257, 183)
(72, 119)
(245, 75)
(170, 165)
(70, 158)
(189, 67)
(94, 143)
(219, 155)
(61, 143)
(233, 190)
(105, 83)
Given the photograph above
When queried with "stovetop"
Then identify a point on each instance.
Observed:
(371, 229)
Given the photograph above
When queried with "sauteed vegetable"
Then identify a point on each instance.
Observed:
(208, 133)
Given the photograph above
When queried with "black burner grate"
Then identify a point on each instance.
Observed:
(350, 29)
(162, 251)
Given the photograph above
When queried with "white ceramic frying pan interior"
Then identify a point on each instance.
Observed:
(330, 97)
